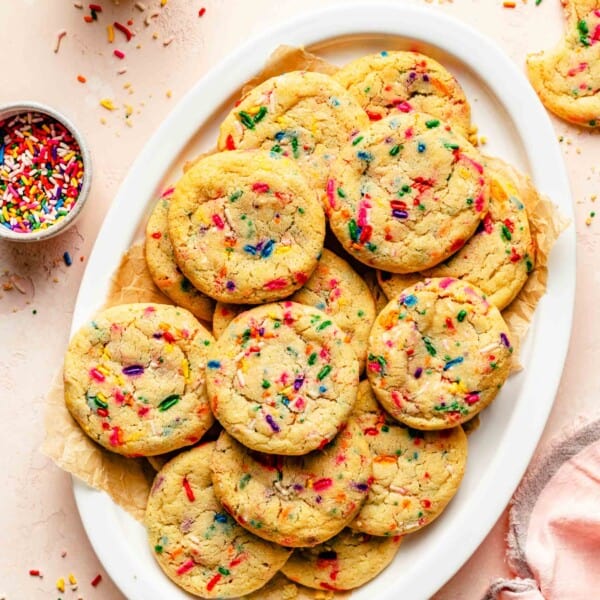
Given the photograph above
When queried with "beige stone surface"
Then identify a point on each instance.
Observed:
(39, 520)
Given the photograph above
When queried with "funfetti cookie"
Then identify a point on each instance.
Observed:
(393, 82)
(245, 227)
(282, 379)
(301, 115)
(340, 292)
(195, 542)
(407, 193)
(164, 270)
(438, 354)
(294, 500)
(498, 258)
(415, 473)
(344, 562)
(135, 381)
(567, 78)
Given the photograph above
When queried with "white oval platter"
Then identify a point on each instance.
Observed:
(519, 130)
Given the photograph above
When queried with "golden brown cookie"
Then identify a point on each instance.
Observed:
(195, 542)
(501, 254)
(304, 116)
(415, 473)
(567, 78)
(164, 270)
(282, 379)
(294, 500)
(236, 221)
(392, 82)
(438, 354)
(407, 193)
(345, 562)
(135, 381)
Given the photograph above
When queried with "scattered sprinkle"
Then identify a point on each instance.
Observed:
(124, 30)
(107, 103)
(202, 12)
(168, 40)
(151, 15)
(119, 54)
(67, 258)
(509, 4)
(81, 79)
(59, 36)
(588, 221)
(96, 580)
(60, 584)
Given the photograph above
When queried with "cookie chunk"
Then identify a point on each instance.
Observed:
(134, 379)
(415, 473)
(282, 379)
(294, 500)
(438, 354)
(245, 227)
(164, 270)
(407, 194)
(345, 562)
(499, 257)
(302, 115)
(195, 542)
(567, 78)
(389, 83)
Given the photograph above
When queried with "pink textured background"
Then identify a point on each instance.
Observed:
(38, 519)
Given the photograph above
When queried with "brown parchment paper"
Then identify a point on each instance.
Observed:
(127, 481)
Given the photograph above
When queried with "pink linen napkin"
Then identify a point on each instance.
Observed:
(554, 523)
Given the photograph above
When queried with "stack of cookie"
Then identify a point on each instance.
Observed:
(313, 472)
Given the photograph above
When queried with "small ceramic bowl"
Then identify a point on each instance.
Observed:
(10, 110)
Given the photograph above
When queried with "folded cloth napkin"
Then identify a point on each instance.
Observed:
(554, 523)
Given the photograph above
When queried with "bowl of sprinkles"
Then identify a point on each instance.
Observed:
(45, 172)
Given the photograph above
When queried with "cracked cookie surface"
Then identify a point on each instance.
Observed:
(392, 82)
(406, 194)
(165, 273)
(501, 254)
(567, 78)
(294, 500)
(438, 354)
(415, 473)
(245, 227)
(134, 379)
(303, 115)
(281, 378)
(195, 542)
(346, 561)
